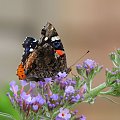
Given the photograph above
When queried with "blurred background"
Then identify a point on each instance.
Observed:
(82, 25)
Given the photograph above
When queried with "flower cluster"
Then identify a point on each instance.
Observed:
(26, 100)
(52, 99)
(113, 76)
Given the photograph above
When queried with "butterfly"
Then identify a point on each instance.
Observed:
(42, 58)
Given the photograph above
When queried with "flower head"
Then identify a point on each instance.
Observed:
(12, 83)
(69, 90)
(54, 97)
(32, 85)
(62, 74)
(48, 80)
(78, 66)
(41, 84)
(64, 114)
(26, 97)
(40, 99)
(14, 87)
(35, 107)
(82, 117)
(23, 83)
(89, 64)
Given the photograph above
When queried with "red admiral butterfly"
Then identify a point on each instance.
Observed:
(42, 58)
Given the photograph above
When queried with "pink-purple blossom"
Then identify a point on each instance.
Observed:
(64, 114)
(54, 97)
(23, 83)
(14, 87)
(82, 117)
(69, 90)
(89, 64)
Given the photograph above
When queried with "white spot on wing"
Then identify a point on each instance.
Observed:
(53, 38)
(35, 40)
(31, 49)
(57, 38)
(46, 38)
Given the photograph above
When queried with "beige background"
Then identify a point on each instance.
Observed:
(82, 25)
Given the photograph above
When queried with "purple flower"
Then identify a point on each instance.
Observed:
(75, 112)
(77, 97)
(28, 100)
(23, 95)
(117, 81)
(35, 107)
(11, 99)
(40, 100)
(64, 114)
(89, 64)
(14, 87)
(54, 97)
(58, 118)
(33, 100)
(12, 83)
(23, 83)
(62, 74)
(69, 90)
(82, 117)
(32, 85)
(70, 82)
(26, 97)
(50, 105)
(63, 84)
(53, 105)
(47, 80)
(78, 66)
(84, 87)
(41, 83)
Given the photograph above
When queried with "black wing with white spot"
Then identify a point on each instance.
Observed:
(50, 36)
(29, 45)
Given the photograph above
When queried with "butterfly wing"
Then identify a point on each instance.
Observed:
(47, 58)
(29, 45)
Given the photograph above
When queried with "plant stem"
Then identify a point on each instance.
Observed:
(95, 91)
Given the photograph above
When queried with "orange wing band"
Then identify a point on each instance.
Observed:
(20, 72)
(60, 52)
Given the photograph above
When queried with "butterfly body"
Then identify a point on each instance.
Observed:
(43, 58)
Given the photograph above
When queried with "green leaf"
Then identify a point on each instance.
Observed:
(6, 116)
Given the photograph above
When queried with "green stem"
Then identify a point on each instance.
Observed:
(88, 83)
(95, 91)
(105, 93)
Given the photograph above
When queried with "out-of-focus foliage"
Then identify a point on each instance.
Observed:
(5, 106)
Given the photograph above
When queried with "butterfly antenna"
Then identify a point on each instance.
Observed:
(80, 58)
